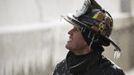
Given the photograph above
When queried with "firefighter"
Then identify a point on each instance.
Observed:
(91, 30)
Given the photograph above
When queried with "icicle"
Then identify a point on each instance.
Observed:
(92, 41)
(89, 34)
(117, 54)
(117, 50)
(82, 29)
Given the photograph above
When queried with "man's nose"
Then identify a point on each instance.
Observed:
(70, 32)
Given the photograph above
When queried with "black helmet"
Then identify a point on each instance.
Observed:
(95, 23)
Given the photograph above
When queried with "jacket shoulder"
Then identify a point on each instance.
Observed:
(110, 68)
(113, 70)
(60, 67)
(61, 64)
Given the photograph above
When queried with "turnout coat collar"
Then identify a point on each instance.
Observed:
(84, 65)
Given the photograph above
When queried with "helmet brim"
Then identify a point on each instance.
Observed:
(74, 21)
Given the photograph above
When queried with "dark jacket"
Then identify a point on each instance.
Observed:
(90, 64)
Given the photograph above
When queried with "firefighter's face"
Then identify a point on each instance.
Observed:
(76, 42)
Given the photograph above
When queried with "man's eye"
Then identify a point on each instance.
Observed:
(76, 29)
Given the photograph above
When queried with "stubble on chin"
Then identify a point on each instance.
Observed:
(67, 46)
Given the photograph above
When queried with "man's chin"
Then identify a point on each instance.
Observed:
(68, 46)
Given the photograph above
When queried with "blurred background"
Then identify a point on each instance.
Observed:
(33, 35)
